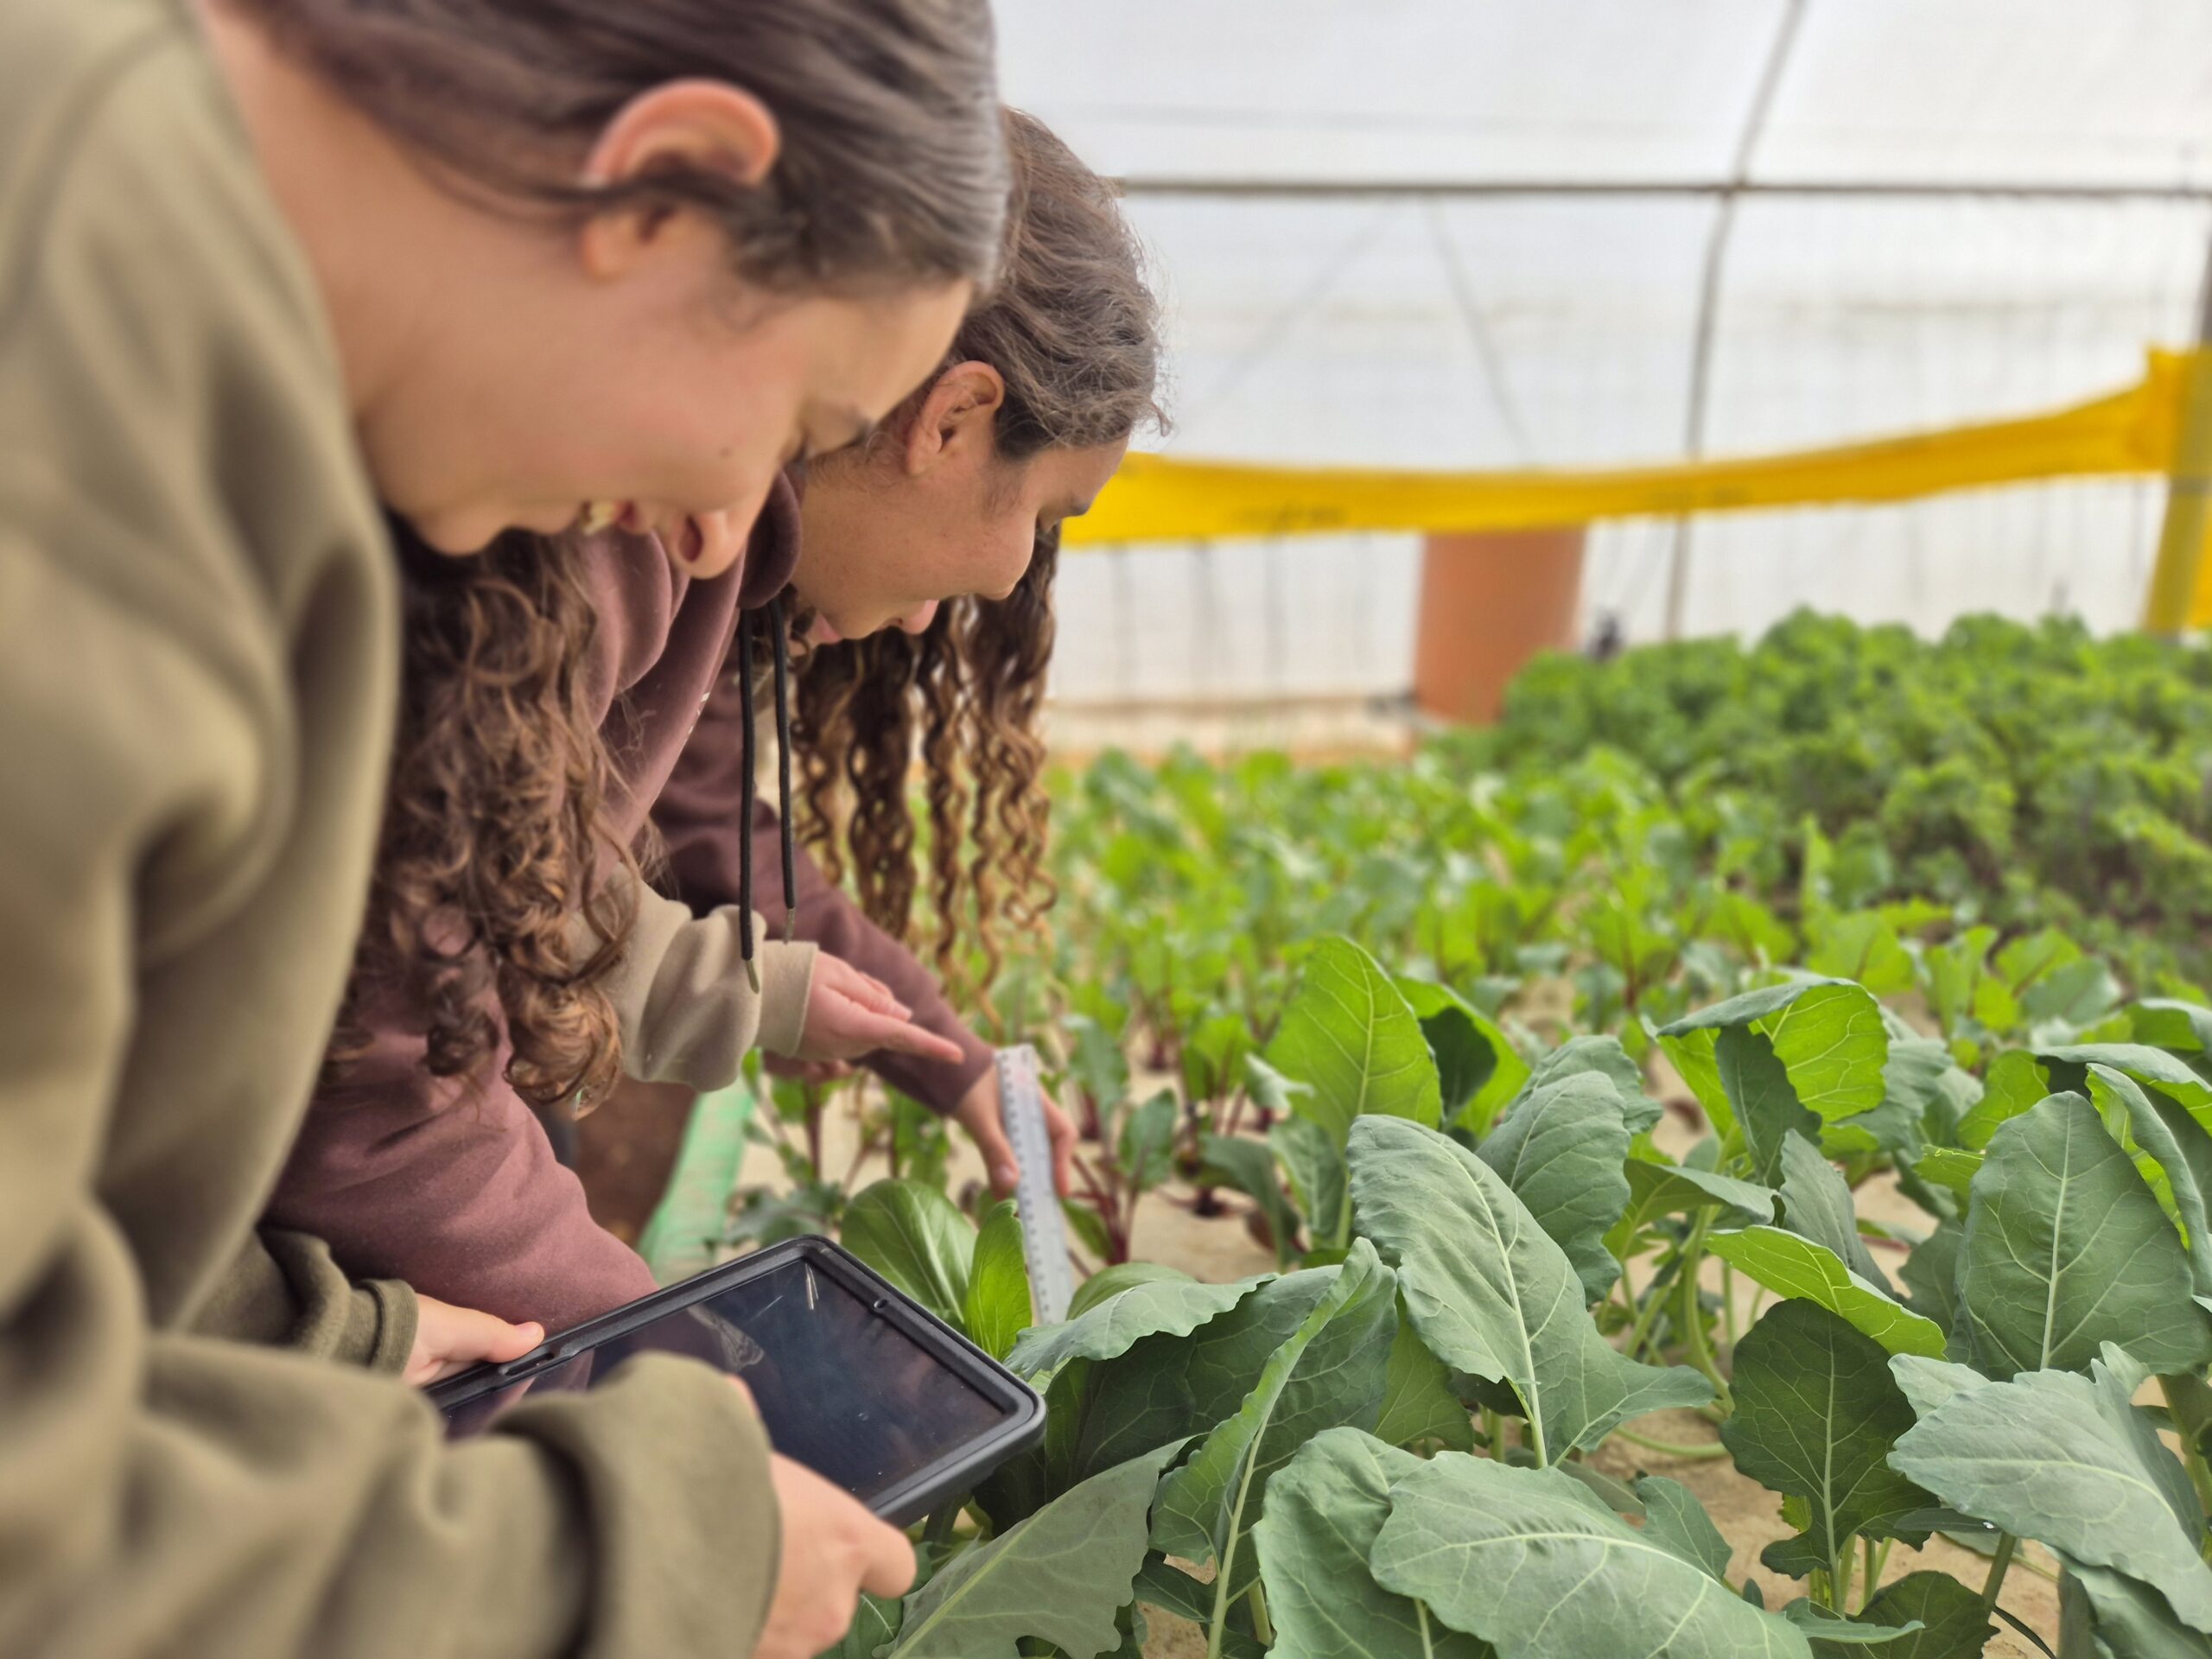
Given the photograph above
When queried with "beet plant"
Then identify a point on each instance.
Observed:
(1386, 1451)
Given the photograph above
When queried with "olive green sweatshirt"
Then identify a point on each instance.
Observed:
(197, 659)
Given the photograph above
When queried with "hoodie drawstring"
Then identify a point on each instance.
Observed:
(780, 640)
(747, 760)
(780, 634)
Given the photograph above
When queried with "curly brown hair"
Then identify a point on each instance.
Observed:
(1074, 331)
(966, 694)
(493, 836)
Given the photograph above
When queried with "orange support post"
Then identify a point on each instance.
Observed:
(1489, 601)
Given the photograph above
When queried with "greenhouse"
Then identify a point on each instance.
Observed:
(1170, 830)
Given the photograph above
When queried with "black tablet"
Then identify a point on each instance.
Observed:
(852, 1379)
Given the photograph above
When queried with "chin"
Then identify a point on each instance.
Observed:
(457, 535)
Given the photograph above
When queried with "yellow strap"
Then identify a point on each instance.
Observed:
(1159, 499)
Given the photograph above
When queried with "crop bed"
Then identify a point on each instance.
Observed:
(1704, 1201)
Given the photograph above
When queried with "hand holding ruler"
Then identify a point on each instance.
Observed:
(1044, 1230)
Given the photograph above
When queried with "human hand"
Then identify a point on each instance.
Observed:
(833, 1549)
(849, 1014)
(983, 1115)
(449, 1340)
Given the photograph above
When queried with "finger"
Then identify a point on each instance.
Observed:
(998, 1153)
(874, 994)
(468, 1334)
(463, 1340)
(751, 1404)
(890, 1568)
(1063, 1143)
(902, 1037)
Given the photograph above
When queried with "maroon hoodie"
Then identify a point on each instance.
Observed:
(699, 814)
(458, 1192)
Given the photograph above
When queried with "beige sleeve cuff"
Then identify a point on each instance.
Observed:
(786, 984)
(687, 1004)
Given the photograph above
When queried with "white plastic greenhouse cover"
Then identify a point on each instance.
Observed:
(1318, 315)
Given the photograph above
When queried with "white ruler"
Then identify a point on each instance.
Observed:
(1044, 1230)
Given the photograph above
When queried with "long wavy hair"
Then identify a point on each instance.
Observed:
(493, 838)
(964, 696)
(1073, 329)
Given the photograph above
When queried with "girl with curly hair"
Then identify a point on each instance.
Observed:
(454, 1186)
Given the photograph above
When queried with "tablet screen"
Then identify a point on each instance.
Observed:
(841, 1389)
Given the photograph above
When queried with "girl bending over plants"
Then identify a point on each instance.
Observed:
(457, 1188)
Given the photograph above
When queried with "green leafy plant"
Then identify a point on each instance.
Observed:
(1386, 1452)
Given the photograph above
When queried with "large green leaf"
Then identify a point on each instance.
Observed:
(2183, 1029)
(2015, 1081)
(2151, 1067)
(1474, 1061)
(1834, 1631)
(2068, 1460)
(2066, 1249)
(1931, 1274)
(1674, 1518)
(1691, 1055)
(914, 1237)
(1348, 1033)
(1329, 1374)
(1418, 1404)
(1604, 1056)
(1170, 1383)
(2129, 1618)
(875, 1622)
(1060, 1576)
(1791, 1265)
(1660, 1188)
(1325, 1507)
(2178, 1146)
(1152, 1307)
(1526, 1560)
(1560, 1150)
(1913, 1076)
(1828, 1035)
(1111, 1281)
(1226, 1355)
(1949, 1612)
(1766, 1107)
(1249, 1166)
(1816, 1414)
(1817, 1202)
(1103, 1412)
(1314, 1165)
(1952, 1168)
(1270, 1089)
(1491, 1294)
(997, 1308)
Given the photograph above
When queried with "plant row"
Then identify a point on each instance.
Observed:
(1491, 1268)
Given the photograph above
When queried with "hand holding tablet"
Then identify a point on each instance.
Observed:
(851, 1378)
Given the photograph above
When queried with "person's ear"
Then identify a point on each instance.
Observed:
(960, 412)
(701, 125)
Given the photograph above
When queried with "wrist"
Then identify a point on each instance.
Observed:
(786, 986)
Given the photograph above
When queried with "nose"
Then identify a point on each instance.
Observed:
(918, 621)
